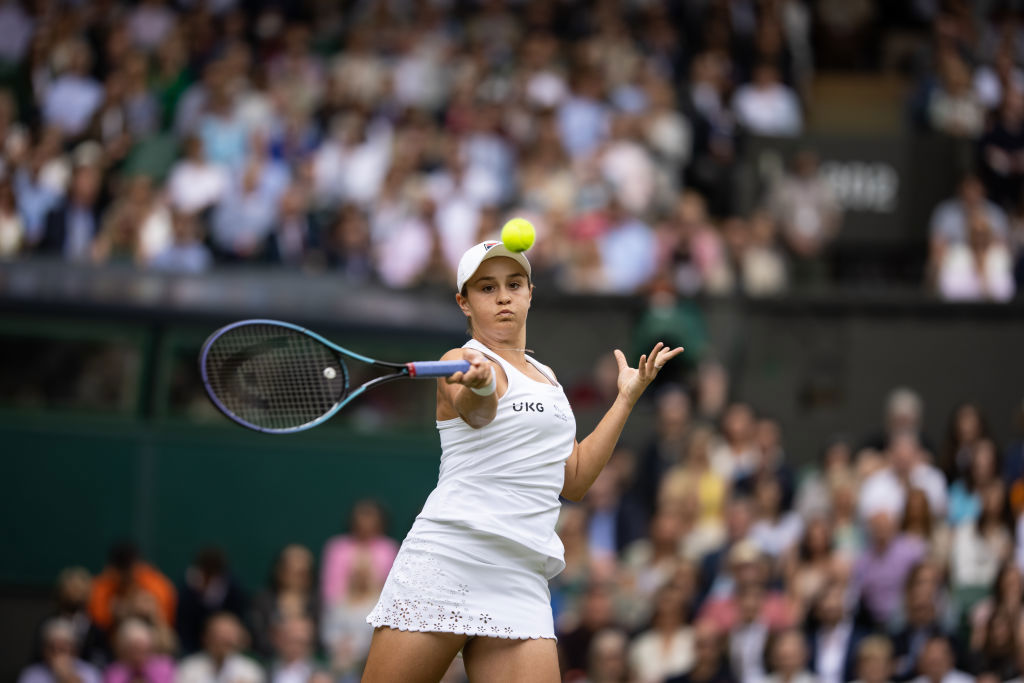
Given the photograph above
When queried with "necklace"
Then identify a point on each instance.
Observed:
(499, 348)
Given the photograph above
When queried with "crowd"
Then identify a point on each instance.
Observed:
(702, 555)
(379, 139)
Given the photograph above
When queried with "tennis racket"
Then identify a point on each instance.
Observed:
(280, 378)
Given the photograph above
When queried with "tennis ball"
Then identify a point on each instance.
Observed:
(518, 234)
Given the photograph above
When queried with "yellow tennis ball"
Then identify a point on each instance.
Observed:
(518, 234)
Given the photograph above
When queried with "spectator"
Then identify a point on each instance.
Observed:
(921, 619)
(710, 664)
(70, 101)
(583, 118)
(291, 593)
(149, 23)
(766, 106)
(294, 642)
(348, 247)
(345, 635)
(874, 660)
(997, 651)
(59, 661)
(627, 166)
(672, 431)
(950, 221)
(596, 614)
(209, 587)
(711, 491)
(905, 466)
(126, 575)
(69, 229)
(1013, 462)
(293, 240)
(628, 251)
(952, 106)
(748, 637)
(935, 665)
(245, 217)
(666, 648)
(788, 653)
(776, 530)
(136, 657)
(739, 516)
(365, 543)
(735, 454)
(965, 492)
(606, 658)
(965, 428)
(71, 599)
(808, 215)
(833, 637)
(919, 522)
(1002, 151)
(904, 412)
(1007, 595)
(810, 565)
(137, 226)
(195, 185)
(13, 236)
(979, 270)
(881, 569)
(979, 548)
(752, 265)
(224, 640)
(186, 253)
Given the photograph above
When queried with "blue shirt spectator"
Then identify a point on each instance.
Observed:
(629, 255)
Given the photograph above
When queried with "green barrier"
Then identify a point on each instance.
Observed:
(79, 486)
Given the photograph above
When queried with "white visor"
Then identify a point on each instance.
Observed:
(476, 255)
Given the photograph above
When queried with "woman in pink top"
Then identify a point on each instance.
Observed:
(341, 553)
(136, 659)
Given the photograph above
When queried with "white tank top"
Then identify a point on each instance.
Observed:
(505, 478)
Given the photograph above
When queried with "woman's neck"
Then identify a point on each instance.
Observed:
(511, 348)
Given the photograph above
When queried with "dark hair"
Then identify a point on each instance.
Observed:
(376, 505)
(211, 561)
(929, 522)
(951, 446)
(123, 555)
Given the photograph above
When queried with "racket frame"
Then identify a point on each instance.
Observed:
(401, 370)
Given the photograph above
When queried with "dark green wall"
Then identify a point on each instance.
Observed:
(74, 486)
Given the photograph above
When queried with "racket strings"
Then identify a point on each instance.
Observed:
(273, 377)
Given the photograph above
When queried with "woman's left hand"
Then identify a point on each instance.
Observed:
(633, 381)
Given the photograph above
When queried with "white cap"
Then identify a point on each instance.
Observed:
(476, 255)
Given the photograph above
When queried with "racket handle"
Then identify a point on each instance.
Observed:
(437, 368)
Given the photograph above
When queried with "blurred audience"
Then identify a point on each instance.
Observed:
(60, 662)
(209, 587)
(291, 593)
(221, 659)
(128, 586)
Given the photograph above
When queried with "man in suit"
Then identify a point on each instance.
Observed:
(832, 637)
(70, 227)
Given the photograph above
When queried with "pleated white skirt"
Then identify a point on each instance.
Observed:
(452, 579)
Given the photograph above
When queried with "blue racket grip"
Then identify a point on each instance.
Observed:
(437, 368)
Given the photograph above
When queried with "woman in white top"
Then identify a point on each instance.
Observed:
(472, 574)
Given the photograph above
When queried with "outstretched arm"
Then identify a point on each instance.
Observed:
(591, 455)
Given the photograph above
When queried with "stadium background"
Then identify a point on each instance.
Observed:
(105, 432)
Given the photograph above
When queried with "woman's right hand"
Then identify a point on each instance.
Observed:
(479, 374)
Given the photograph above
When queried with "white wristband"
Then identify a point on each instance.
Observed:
(489, 389)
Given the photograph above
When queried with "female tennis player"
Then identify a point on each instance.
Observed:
(472, 574)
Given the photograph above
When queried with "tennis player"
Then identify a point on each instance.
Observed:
(472, 574)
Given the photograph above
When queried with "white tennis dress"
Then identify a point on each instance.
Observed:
(478, 558)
